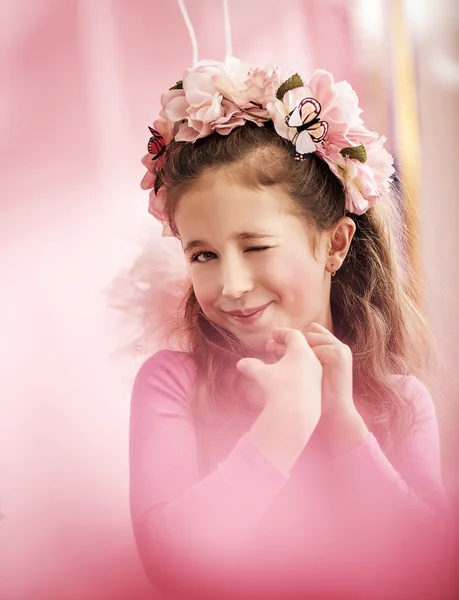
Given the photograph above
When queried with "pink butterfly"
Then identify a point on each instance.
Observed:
(310, 129)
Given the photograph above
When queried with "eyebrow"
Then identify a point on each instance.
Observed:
(241, 235)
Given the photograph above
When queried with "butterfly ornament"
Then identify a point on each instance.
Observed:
(310, 128)
(156, 144)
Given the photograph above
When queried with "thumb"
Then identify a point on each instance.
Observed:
(253, 368)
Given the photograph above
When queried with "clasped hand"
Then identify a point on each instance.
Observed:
(310, 368)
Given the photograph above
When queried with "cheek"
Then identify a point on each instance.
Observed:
(205, 288)
(300, 282)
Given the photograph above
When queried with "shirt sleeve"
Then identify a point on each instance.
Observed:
(182, 523)
(400, 505)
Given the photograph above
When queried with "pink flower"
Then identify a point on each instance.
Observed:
(366, 182)
(217, 97)
(382, 164)
(149, 178)
(156, 201)
(264, 83)
(172, 103)
(156, 208)
(321, 116)
(339, 108)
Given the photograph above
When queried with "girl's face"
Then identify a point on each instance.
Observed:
(245, 250)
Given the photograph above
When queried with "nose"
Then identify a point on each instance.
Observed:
(236, 278)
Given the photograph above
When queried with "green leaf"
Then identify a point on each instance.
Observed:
(292, 82)
(177, 86)
(356, 152)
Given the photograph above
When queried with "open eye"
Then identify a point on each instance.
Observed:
(195, 257)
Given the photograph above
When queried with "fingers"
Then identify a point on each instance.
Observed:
(314, 339)
(317, 333)
(317, 328)
(292, 339)
(325, 353)
(252, 368)
(270, 347)
(275, 350)
(332, 353)
(322, 336)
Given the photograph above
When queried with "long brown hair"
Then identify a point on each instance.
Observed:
(373, 297)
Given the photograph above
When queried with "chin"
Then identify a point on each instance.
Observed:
(256, 343)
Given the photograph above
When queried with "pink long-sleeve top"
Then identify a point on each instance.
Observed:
(356, 526)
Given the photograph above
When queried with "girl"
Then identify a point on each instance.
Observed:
(290, 451)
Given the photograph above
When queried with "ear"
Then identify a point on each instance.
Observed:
(340, 239)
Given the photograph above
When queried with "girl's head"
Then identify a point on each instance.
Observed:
(272, 186)
(258, 228)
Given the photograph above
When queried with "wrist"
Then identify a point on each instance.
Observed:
(298, 420)
(281, 435)
(344, 431)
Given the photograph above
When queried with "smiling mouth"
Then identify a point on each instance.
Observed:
(249, 312)
(251, 317)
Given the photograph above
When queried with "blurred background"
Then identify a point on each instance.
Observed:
(80, 82)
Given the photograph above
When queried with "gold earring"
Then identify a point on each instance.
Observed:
(334, 272)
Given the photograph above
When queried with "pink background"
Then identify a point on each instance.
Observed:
(81, 80)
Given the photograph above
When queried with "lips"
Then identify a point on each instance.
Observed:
(248, 312)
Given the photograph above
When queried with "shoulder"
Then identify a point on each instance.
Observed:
(166, 375)
(167, 361)
(420, 408)
(419, 446)
(417, 393)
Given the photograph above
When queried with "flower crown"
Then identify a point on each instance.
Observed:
(321, 116)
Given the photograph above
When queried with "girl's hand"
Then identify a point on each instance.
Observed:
(343, 425)
(294, 381)
(341, 422)
(336, 360)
